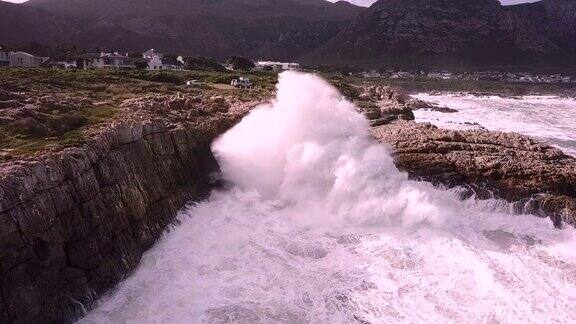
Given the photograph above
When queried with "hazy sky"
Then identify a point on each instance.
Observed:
(366, 2)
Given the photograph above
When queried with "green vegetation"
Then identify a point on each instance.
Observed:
(200, 63)
(54, 128)
(69, 102)
(240, 63)
(64, 104)
(31, 79)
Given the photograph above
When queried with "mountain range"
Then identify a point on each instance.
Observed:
(317, 32)
(430, 32)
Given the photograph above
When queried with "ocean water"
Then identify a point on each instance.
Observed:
(319, 226)
(546, 118)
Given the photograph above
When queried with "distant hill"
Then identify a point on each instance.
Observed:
(420, 33)
(440, 33)
(275, 29)
(238, 9)
(21, 23)
(554, 18)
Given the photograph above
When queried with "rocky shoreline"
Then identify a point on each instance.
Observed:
(539, 179)
(74, 222)
(536, 178)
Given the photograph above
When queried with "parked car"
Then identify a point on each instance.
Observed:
(194, 83)
(242, 82)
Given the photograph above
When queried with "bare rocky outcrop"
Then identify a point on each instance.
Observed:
(539, 178)
(76, 221)
(382, 104)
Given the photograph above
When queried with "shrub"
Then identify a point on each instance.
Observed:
(65, 123)
(203, 64)
(220, 78)
(240, 63)
(28, 127)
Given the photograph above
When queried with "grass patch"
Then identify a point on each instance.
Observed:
(37, 79)
(91, 97)
(63, 130)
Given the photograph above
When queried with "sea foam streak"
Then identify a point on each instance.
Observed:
(321, 227)
(546, 118)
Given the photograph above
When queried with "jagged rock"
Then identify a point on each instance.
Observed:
(383, 93)
(397, 112)
(28, 126)
(9, 104)
(506, 165)
(75, 222)
(381, 121)
(442, 109)
(382, 104)
(9, 95)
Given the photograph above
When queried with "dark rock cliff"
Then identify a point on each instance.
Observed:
(74, 223)
(535, 178)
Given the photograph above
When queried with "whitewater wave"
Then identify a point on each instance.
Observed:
(549, 119)
(320, 227)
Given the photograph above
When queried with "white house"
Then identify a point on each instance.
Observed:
(23, 59)
(110, 61)
(4, 57)
(276, 66)
(156, 61)
(150, 54)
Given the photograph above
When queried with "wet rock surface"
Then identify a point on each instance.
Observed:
(535, 177)
(76, 221)
(538, 178)
(382, 105)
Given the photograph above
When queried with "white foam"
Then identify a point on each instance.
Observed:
(546, 118)
(321, 228)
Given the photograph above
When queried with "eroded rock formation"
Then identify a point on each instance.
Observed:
(539, 178)
(75, 222)
(536, 178)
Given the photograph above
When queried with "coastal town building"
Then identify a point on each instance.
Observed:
(276, 66)
(110, 61)
(4, 57)
(58, 63)
(157, 61)
(23, 59)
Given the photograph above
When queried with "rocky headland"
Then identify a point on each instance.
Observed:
(112, 164)
(536, 178)
(74, 221)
